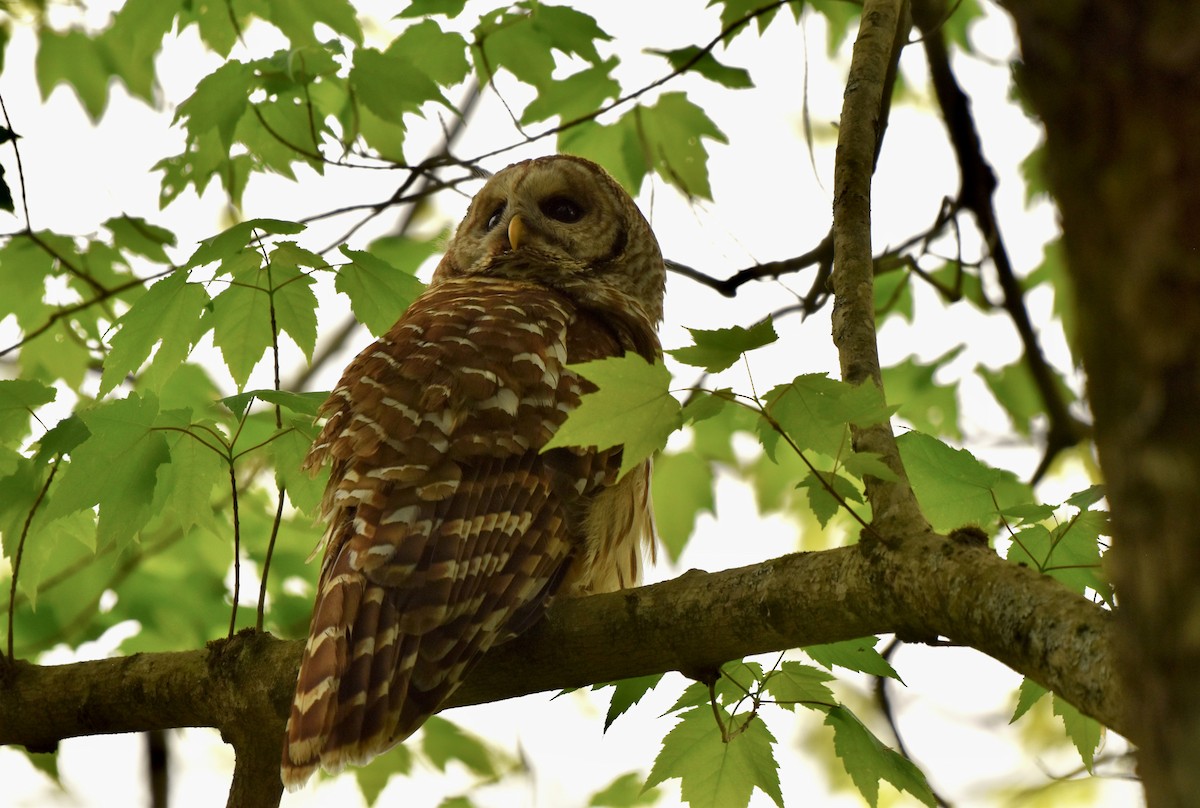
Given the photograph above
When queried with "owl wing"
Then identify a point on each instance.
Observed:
(449, 531)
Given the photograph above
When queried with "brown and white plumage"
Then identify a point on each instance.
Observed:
(449, 531)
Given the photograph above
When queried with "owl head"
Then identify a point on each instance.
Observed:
(562, 222)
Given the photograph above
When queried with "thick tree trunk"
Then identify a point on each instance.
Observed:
(1118, 87)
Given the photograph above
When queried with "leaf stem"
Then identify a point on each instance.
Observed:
(16, 571)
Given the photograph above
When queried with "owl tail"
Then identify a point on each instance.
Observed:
(364, 685)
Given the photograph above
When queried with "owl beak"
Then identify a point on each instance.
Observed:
(516, 232)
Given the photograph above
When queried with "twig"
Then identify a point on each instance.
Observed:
(426, 183)
(16, 564)
(885, 705)
(20, 166)
(704, 51)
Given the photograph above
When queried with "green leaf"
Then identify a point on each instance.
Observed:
(1069, 553)
(45, 762)
(958, 282)
(241, 323)
(284, 131)
(814, 411)
(296, 18)
(391, 85)
(218, 102)
(442, 55)
(626, 693)
(954, 488)
(868, 760)
(443, 741)
(513, 43)
(287, 451)
(682, 490)
(893, 295)
(716, 350)
(706, 65)
(373, 778)
(796, 683)
(823, 502)
(308, 404)
(61, 439)
(232, 241)
(923, 402)
(380, 292)
(18, 399)
(167, 315)
(116, 468)
(76, 59)
(1014, 388)
(1027, 513)
(56, 354)
(1084, 731)
(24, 269)
(705, 404)
(575, 96)
(140, 237)
(625, 791)
(133, 39)
(1028, 694)
(1087, 497)
(839, 17)
(567, 29)
(460, 801)
(855, 655)
(187, 482)
(734, 10)
(863, 464)
(632, 408)
(421, 8)
(615, 146)
(1054, 270)
(6, 197)
(673, 132)
(715, 774)
(292, 294)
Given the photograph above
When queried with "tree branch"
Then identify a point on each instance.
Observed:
(931, 587)
(977, 190)
(894, 508)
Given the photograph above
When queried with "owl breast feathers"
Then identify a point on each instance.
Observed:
(449, 530)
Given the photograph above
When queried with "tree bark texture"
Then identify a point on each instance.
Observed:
(894, 509)
(931, 587)
(1117, 85)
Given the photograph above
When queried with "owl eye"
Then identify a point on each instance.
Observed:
(494, 219)
(562, 209)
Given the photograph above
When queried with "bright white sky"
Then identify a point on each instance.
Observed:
(771, 205)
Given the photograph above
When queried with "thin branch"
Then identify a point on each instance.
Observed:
(67, 311)
(266, 570)
(237, 551)
(16, 564)
(885, 706)
(703, 52)
(20, 166)
(426, 183)
(894, 509)
(976, 194)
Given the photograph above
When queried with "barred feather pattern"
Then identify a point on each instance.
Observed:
(449, 531)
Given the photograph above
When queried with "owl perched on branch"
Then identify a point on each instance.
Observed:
(449, 529)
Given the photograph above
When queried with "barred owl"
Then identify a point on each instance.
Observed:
(449, 530)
